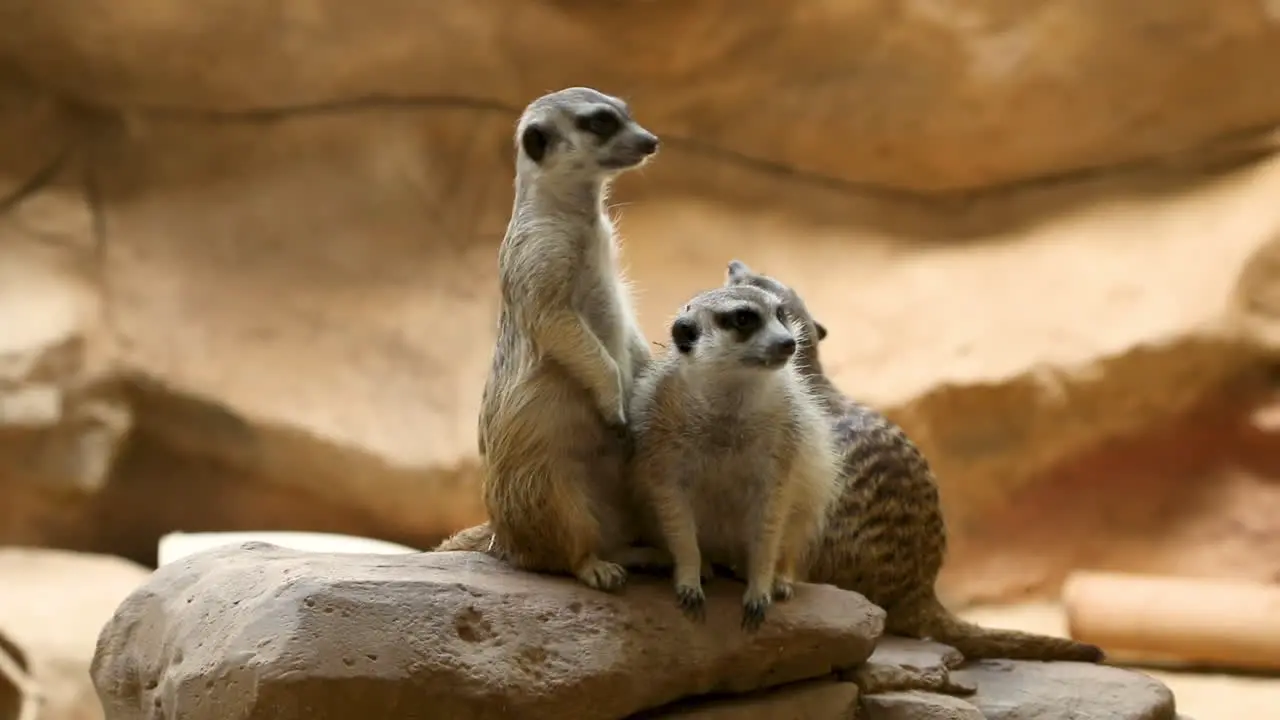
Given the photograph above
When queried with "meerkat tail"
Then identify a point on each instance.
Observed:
(478, 538)
(978, 643)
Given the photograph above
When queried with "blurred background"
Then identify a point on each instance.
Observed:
(248, 274)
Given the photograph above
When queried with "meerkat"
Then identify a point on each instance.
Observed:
(734, 460)
(886, 538)
(552, 430)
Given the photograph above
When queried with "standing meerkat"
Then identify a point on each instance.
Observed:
(553, 421)
(734, 458)
(885, 538)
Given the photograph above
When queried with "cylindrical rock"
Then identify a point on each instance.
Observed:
(1173, 620)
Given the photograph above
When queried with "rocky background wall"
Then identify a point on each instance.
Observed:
(247, 272)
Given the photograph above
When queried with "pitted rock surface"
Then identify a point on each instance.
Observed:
(1014, 690)
(256, 631)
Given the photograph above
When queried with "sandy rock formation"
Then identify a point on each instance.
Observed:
(1015, 690)
(52, 606)
(258, 293)
(343, 636)
(924, 95)
(452, 635)
(1065, 690)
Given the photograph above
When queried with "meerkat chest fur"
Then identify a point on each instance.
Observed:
(565, 246)
(601, 296)
(737, 438)
(735, 428)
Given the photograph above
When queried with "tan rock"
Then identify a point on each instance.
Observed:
(928, 95)
(177, 545)
(53, 605)
(995, 378)
(916, 705)
(1199, 695)
(811, 700)
(903, 664)
(52, 349)
(909, 652)
(335, 636)
(1013, 690)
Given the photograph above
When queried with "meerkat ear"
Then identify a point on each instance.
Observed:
(535, 141)
(684, 333)
(737, 269)
(822, 330)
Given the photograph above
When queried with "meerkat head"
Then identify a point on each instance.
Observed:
(739, 274)
(581, 132)
(735, 329)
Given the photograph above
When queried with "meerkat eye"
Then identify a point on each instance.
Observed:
(602, 123)
(745, 319)
(781, 314)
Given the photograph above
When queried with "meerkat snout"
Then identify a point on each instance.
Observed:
(647, 142)
(776, 348)
(684, 334)
(783, 348)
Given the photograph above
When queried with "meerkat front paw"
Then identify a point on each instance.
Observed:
(692, 601)
(602, 575)
(754, 607)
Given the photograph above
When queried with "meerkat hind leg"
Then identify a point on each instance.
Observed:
(578, 532)
(600, 574)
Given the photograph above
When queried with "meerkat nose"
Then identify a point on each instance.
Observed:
(786, 347)
(648, 143)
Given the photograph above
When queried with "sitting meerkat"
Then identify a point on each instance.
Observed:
(552, 430)
(886, 538)
(734, 458)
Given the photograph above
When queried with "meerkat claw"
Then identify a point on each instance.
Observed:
(783, 589)
(753, 612)
(603, 575)
(693, 602)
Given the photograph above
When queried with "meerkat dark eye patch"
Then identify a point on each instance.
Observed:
(744, 320)
(781, 314)
(822, 330)
(684, 333)
(535, 141)
(602, 123)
